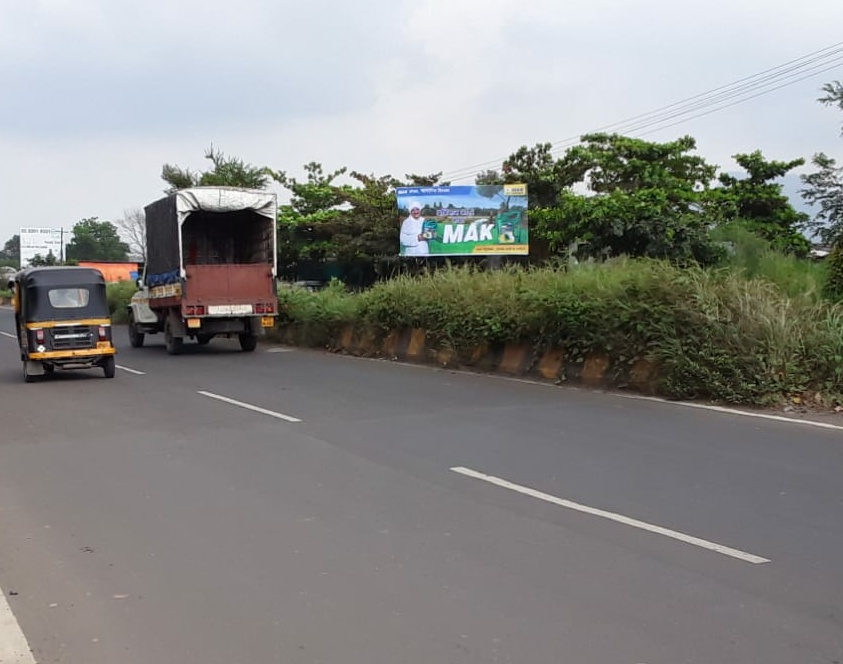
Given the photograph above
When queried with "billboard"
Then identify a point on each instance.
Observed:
(40, 242)
(486, 220)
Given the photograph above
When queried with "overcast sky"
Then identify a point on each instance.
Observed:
(96, 95)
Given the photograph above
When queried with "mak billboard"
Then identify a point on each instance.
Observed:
(486, 220)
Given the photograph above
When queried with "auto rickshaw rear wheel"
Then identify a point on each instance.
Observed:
(27, 377)
(109, 366)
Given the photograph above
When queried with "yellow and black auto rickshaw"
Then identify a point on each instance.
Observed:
(62, 320)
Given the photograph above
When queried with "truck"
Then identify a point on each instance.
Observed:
(210, 269)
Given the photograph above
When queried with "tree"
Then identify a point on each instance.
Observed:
(644, 199)
(371, 214)
(833, 95)
(610, 162)
(431, 180)
(306, 227)
(317, 192)
(759, 204)
(226, 172)
(537, 168)
(133, 227)
(351, 226)
(95, 240)
(10, 254)
(40, 261)
(824, 189)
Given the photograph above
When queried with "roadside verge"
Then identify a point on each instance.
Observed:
(511, 359)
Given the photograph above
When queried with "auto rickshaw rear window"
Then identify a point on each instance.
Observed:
(69, 298)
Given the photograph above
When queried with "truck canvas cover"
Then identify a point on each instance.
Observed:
(209, 225)
(224, 199)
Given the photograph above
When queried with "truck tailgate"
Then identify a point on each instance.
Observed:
(228, 284)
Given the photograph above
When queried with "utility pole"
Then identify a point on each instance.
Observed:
(62, 232)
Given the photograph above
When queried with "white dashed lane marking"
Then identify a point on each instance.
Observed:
(248, 406)
(618, 518)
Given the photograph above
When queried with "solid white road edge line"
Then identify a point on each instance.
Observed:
(249, 406)
(619, 518)
(14, 647)
(733, 411)
(131, 371)
(579, 388)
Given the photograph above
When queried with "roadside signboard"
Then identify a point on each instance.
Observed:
(488, 220)
(41, 242)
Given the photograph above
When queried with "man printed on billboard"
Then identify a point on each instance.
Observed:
(413, 239)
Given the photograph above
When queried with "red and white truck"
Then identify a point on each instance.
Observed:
(211, 264)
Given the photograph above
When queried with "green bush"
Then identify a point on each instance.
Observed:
(318, 316)
(712, 333)
(118, 295)
(5, 293)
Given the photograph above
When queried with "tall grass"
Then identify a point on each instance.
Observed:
(754, 258)
(712, 333)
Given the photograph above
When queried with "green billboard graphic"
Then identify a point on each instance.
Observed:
(488, 220)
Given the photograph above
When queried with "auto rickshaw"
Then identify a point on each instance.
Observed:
(62, 320)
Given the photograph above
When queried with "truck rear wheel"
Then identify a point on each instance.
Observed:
(135, 335)
(172, 342)
(248, 341)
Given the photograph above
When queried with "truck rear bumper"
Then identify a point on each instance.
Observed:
(211, 325)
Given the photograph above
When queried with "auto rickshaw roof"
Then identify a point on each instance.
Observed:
(62, 275)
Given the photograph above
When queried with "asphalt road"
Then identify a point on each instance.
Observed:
(294, 506)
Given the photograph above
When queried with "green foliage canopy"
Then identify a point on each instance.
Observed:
(95, 240)
(759, 202)
(642, 200)
(226, 172)
(10, 254)
(824, 187)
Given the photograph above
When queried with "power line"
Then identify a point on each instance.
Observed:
(740, 101)
(730, 89)
(741, 94)
(702, 100)
(761, 83)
